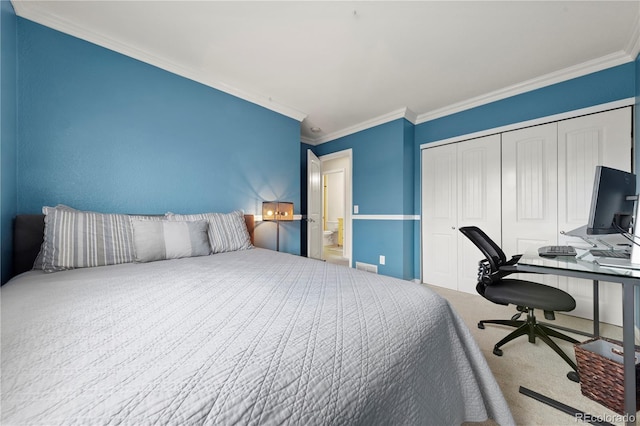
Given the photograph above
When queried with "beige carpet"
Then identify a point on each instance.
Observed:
(534, 366)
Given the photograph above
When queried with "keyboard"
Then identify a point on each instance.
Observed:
(549, 251)
(611, 253)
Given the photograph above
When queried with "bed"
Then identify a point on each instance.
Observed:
(246, 337)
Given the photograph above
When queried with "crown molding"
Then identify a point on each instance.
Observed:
(599, 64)
(405, 113)
(29, 10)
(308, 141)
(411, 116)
(634, 43)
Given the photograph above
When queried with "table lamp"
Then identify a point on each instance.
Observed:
(277, 211)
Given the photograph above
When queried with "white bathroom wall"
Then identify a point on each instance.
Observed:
(335, 198)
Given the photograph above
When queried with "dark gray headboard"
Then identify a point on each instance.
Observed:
(28, 234)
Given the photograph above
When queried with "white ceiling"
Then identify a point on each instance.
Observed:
(344, 66)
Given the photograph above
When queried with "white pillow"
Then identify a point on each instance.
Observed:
(227, 231)
(159, 240)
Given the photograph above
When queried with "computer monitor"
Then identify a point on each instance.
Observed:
(611, 208)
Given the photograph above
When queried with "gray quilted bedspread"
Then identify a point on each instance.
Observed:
(244, 338)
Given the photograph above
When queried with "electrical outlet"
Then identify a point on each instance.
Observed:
(355, 209)
(382, 259)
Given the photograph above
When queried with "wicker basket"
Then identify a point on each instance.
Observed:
(601, 372)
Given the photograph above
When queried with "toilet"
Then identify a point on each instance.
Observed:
(328, 238)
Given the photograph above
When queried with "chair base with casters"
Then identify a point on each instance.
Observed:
(534, 329)
(527, 296)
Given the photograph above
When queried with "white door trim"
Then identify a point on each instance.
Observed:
(314, 206)
(348, 177)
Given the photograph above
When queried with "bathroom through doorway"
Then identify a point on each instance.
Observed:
(336, 197)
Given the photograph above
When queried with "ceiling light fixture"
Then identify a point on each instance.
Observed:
(315, 129)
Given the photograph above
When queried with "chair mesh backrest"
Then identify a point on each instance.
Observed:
(487, 246)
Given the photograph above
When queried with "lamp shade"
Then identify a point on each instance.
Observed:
(285, 211)
(269, 209)
(277, 210)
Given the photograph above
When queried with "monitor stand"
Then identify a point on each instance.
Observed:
(634, 262)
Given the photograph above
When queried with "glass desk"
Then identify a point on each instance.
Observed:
(628, 278)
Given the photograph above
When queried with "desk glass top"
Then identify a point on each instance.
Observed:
(578, 264)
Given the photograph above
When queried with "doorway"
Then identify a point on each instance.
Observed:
(336, 198)
(333, 213)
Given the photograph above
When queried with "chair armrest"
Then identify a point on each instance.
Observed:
(512, 269)
(513, 260)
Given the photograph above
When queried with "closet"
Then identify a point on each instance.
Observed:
(460, 186)
(524, 188)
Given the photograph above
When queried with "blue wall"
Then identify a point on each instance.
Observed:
(8, 134)
(383, 169)
(101, 131)
(378, 159)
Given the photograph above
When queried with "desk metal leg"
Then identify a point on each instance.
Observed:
(596, 309)
(628, 343)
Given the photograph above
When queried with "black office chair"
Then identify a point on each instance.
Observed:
(526, 295)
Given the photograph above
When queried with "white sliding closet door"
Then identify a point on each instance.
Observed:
(530, 191)
(460, 187)
(584, 143)
(439, 216)
(546, 177)
(478, 202)
(548, 174)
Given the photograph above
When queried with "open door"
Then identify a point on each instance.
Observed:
(314, 206)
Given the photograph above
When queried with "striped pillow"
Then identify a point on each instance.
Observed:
(227, 231)
(78, 239)
(154, 240)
